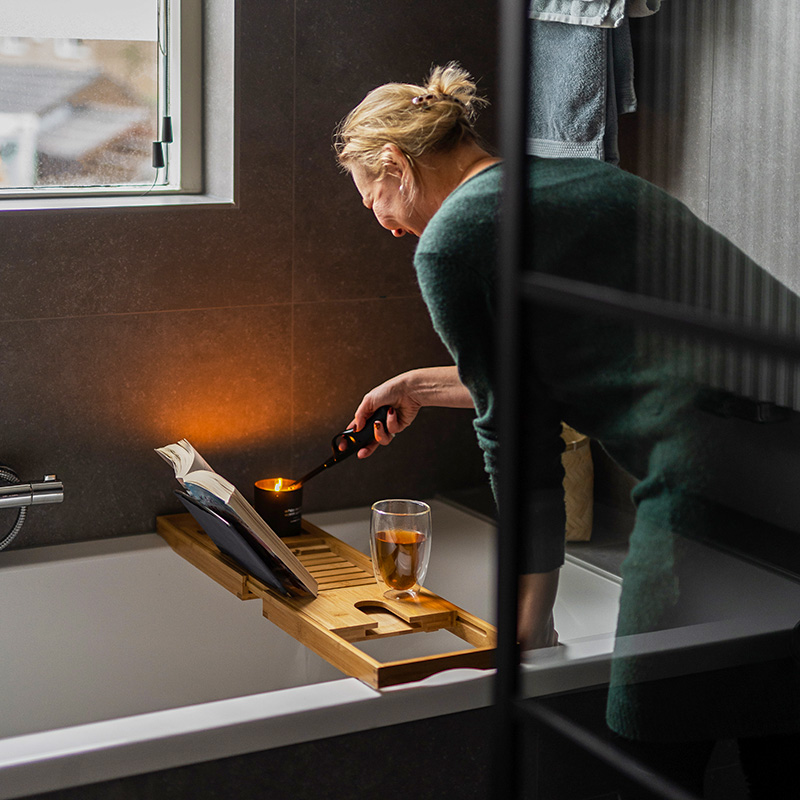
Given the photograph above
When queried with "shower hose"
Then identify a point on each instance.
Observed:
(10, 477)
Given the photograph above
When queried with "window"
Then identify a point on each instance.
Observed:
(93, 101)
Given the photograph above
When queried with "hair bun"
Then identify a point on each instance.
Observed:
(452, 82)
(418, 120)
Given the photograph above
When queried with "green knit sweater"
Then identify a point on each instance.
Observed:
(631, 390)
(584, 221)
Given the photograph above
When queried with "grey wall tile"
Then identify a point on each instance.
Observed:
(59, 265)
(717, 128)
(674, 57)
(357, 345)
(755, 194)
(345, 51)
(90, 398)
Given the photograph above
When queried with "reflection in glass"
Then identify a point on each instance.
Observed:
(707, 430)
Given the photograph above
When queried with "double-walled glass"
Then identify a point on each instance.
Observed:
(400, 543)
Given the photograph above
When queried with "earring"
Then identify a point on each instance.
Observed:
(402, 187)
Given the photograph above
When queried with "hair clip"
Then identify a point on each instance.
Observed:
(422, 99)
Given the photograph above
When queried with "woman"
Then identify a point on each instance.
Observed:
(419, 165)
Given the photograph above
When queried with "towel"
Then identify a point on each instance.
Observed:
(595, 13)
(581, 80)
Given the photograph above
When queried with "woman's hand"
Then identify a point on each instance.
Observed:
(406, 394)
(537, 596)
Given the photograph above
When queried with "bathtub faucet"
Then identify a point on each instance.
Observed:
(21, 495)
(48, 490)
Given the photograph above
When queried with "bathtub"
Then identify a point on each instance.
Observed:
(120, 658)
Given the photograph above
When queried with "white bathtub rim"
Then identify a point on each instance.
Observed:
(99, 751)
(72, 551)
(118, 748)
(159, 740)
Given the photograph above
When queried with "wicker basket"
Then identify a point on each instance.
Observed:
(578, 484)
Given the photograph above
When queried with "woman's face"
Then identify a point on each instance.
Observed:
(388, 202)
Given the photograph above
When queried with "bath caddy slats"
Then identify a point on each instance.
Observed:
(349, 608)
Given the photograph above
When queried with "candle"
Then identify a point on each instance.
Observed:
(279, 501)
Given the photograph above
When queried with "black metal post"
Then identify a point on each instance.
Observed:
(513, 134)
(653, 313)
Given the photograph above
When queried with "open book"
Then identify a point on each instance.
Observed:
(233, 524)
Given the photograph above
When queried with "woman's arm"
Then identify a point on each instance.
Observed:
(440, 386)
(407, 394)
(537, 596)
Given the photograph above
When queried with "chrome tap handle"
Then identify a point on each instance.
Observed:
(49, 490)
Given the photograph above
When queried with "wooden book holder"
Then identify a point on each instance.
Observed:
(350, 606)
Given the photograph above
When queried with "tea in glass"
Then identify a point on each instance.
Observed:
(400, 535)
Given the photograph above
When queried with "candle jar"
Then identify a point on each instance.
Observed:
(279, 501)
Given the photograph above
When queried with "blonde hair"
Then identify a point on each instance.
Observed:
(418, 120)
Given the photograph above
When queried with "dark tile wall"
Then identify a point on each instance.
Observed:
(252, 331)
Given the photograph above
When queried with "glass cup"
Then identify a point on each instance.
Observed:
(400, 543)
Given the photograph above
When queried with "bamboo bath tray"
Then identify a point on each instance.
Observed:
(350, 606)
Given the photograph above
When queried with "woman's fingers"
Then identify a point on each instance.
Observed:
(366, 452)
(392, 422)
(382, 435)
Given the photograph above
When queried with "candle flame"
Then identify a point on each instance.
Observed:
(277, 485)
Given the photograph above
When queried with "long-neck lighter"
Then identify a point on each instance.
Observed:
(347, 442)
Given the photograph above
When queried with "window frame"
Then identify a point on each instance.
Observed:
(201, 76)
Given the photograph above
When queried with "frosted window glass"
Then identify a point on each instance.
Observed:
(128, 20)
(77, 112)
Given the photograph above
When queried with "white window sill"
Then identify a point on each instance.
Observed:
(118, 201)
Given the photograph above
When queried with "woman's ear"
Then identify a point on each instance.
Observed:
(394, 162)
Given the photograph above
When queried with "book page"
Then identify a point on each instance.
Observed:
(211, 482)
(183, 458)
